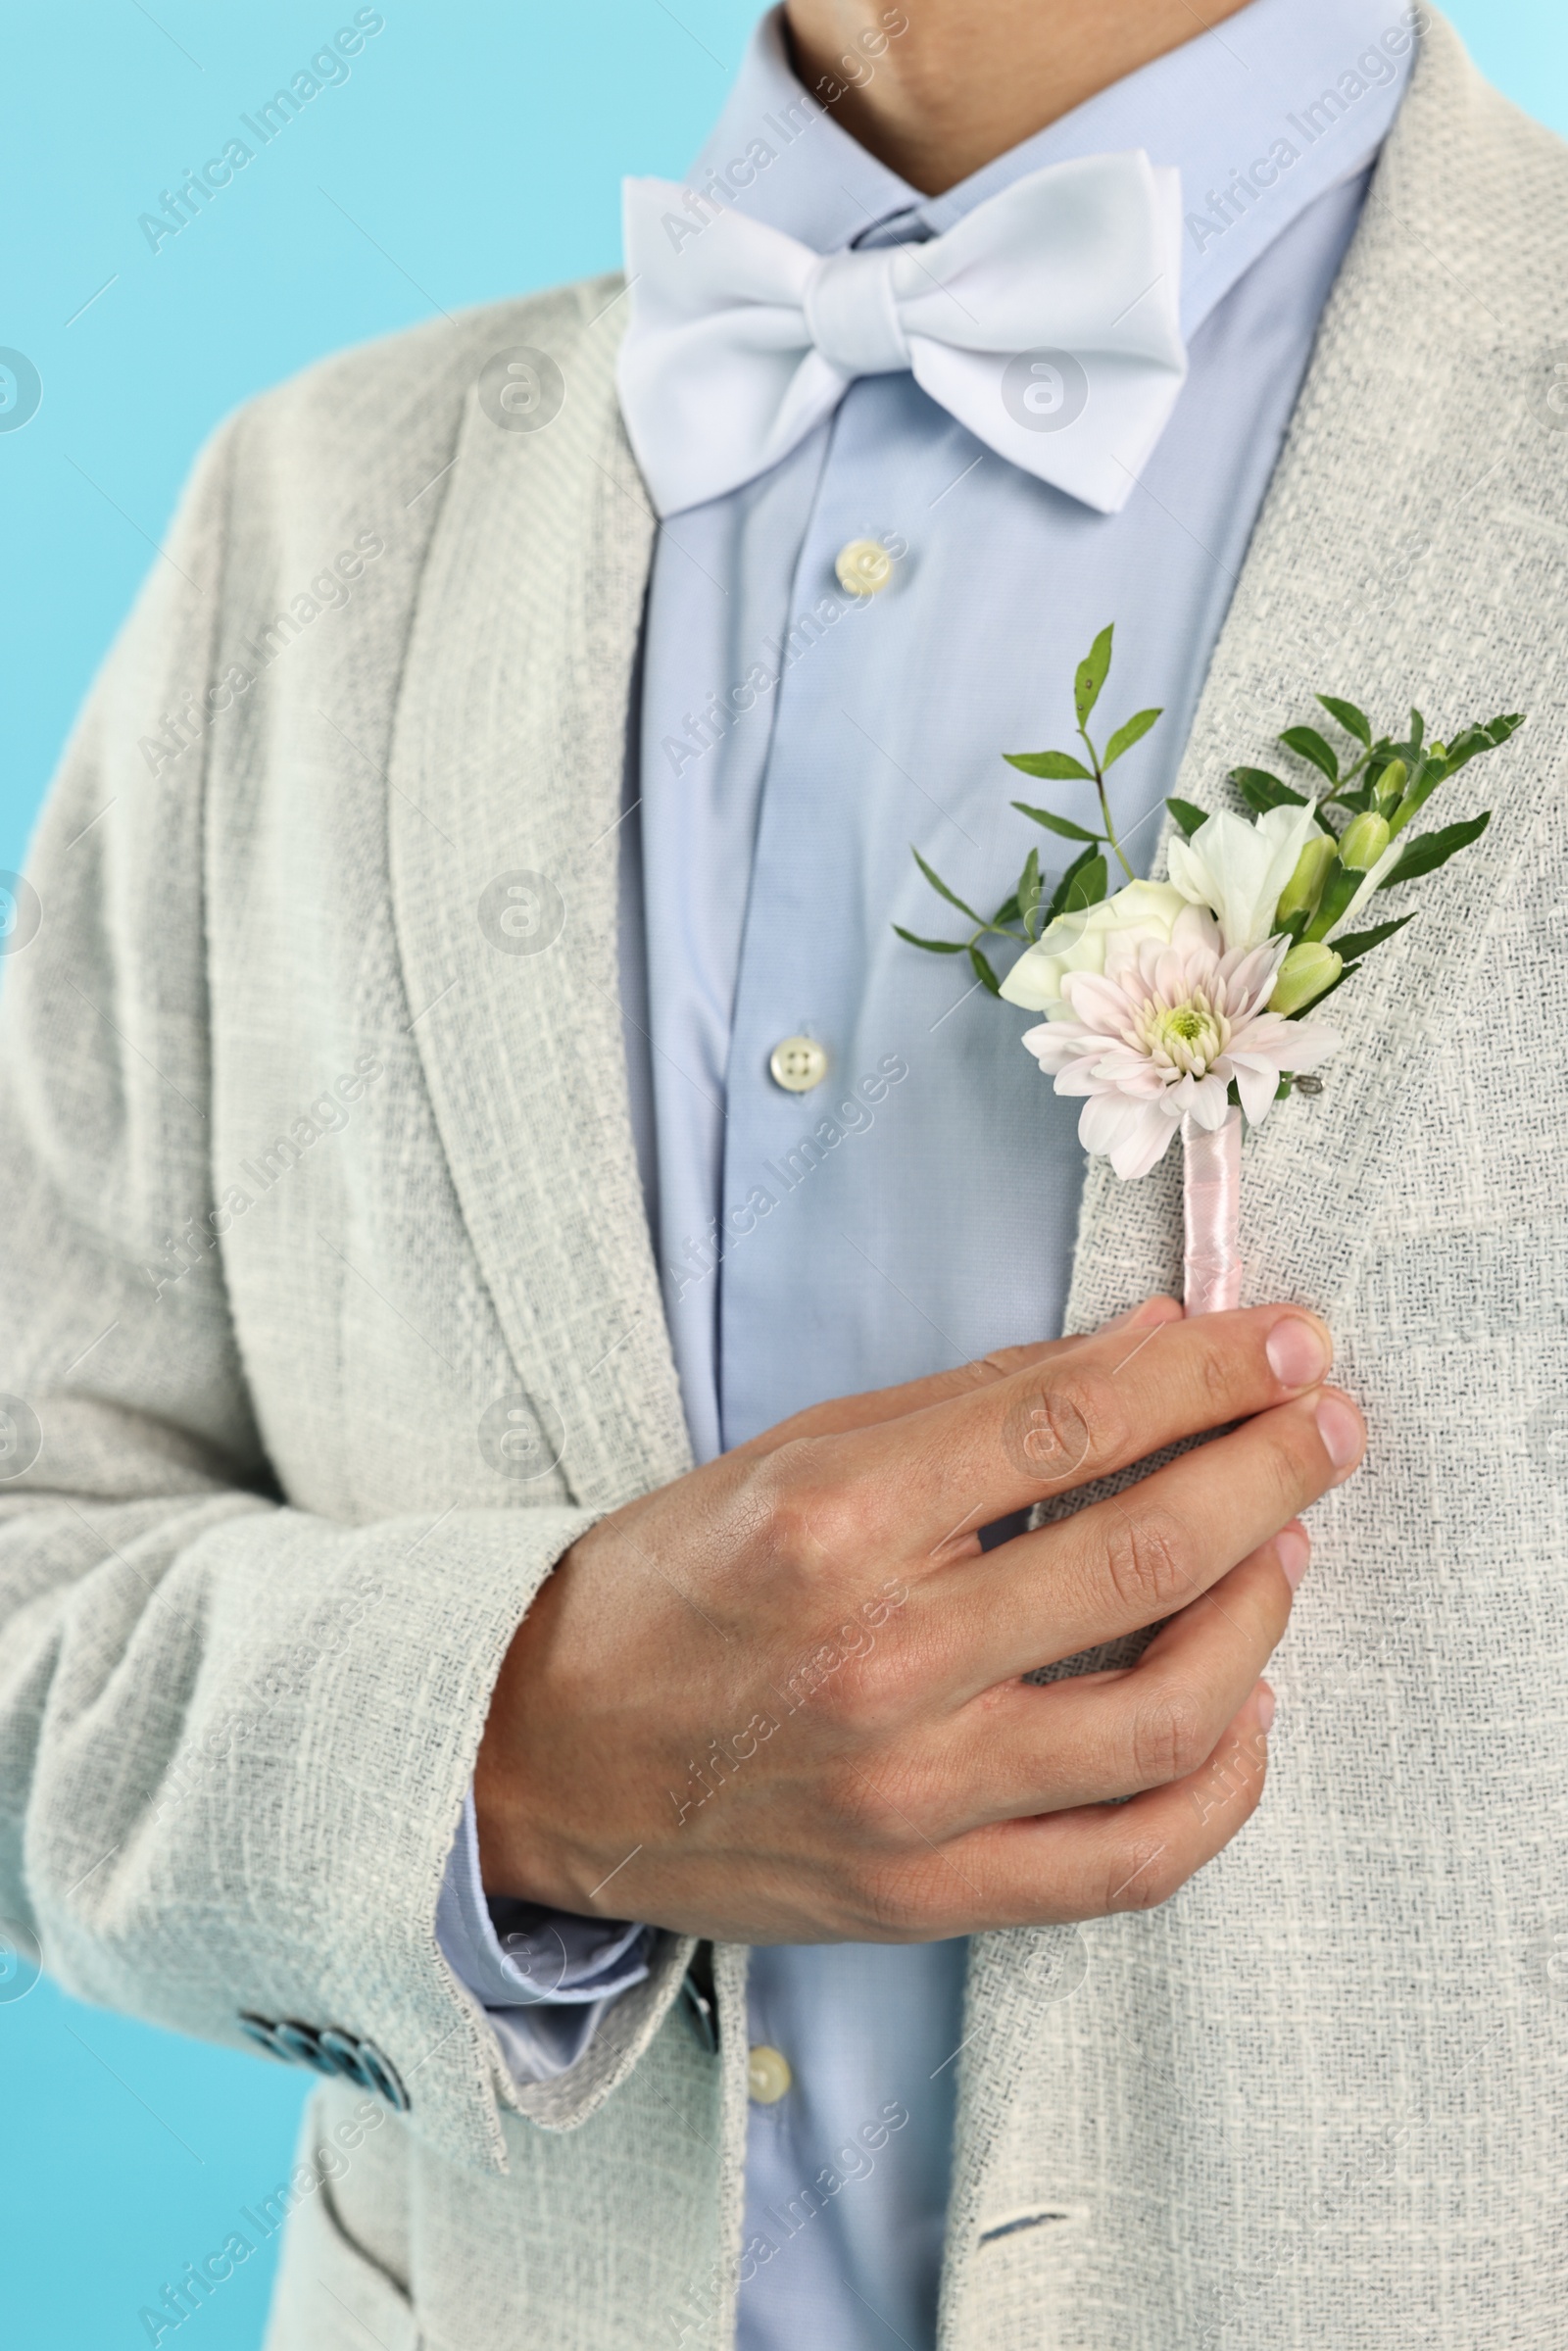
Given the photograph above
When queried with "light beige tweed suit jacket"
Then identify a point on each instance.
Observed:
(259, 1579)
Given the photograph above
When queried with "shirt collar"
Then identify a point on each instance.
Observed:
(1260, 116)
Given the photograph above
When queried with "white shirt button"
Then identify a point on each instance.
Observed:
(798, 1063)
(768, 2074)
(863, 567)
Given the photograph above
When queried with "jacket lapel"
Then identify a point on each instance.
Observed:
(506, 782)
(1417, 397)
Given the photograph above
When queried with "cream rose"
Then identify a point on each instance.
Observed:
(1079, 943)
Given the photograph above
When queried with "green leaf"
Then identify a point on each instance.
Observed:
(1028, 892)
(983, 972)
(1434, 850)
(1080, 864)
(1007, 911)
(1466, 746)
(1187, 816)
(942, 890)
(1134, 731)
(1356, 944)
(1088, 887)
(1308, 744)
(1354, 723)
(1057, 825)
(1425, 777)
(1337, 891)
(1474, 740)
(933, 947)
(1057, 766)
(1091, 676)
(1263, 791)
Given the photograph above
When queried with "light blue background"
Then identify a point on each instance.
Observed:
(475, 151)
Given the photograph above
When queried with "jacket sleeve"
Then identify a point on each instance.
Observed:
(234, 1735)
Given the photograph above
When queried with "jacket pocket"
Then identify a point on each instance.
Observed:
(330, 2295)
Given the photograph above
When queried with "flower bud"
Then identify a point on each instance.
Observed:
(1390, 783)
(1305, 888)
(1363, 843)
(1302, 977)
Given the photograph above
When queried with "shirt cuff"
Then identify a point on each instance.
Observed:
(546, 1978)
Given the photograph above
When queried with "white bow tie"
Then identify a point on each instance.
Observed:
(1046, 320)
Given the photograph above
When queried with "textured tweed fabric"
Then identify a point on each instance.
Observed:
(258, 1580)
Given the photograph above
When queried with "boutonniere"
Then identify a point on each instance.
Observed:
(1185, 1004)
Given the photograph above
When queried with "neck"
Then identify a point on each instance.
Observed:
(936, 88)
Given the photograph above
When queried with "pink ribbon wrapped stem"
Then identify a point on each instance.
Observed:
(1211, 1207)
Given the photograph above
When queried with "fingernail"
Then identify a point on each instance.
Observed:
(1292, 1548)
(1296, 1354)
(1340, 1428)
(1265, 1708)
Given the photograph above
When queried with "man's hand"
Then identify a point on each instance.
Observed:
(780, 1699)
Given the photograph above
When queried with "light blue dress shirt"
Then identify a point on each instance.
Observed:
(917, 1208)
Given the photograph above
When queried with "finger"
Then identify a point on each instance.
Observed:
(1138, 1556)
(844, 1413)
(965, 1461)
(1291, 1554)
(1028, 1749)
(1066, 1866)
